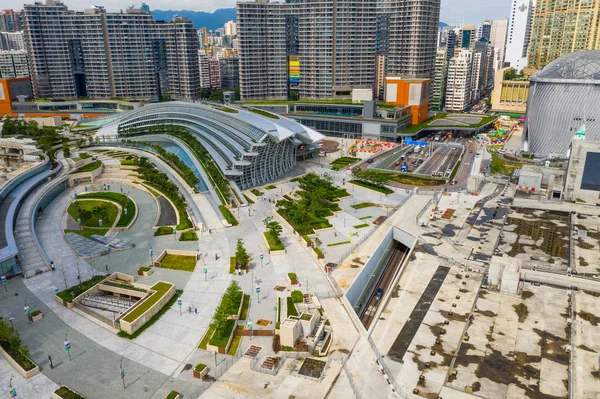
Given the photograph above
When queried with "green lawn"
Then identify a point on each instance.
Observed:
(248, 199)
(179, 262)
(235, 343)
(413, 180)
(380, 189)
(66, 393)
(232, 265)
(89, 167)
(224, 338)
(363, 205)
(228, 215)
(87, 233)
(291, 309)
(245, 307)
(188, 236)
(343, 162)
(263, 113)
(85, 211)
(275, 243)
(256, 192)
(163, 231)
(503, 167)
(161, 289)
(121, 199)
(229, 110)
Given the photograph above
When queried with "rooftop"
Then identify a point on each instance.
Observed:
(582, 66)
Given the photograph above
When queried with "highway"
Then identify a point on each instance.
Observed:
(397, 257)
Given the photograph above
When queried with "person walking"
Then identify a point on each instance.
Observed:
(196, 310)
(106, 267)
(50, 360)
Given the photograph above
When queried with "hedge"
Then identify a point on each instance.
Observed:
(228, 215)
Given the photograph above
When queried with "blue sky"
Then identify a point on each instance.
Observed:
(453, 11)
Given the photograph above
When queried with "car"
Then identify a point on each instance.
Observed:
(453, 182)
(379, 294)
(370, 160)
(397, 163)
(420, 161)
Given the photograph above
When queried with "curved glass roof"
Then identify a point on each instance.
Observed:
(581, 65)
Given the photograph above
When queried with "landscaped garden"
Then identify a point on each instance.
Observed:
(89, 213)
(161, 289)
(89, 167)
(73, 292)
(343, 162)
(178, 262)
(272, 234)
(295, 297)
(318, 198)
(371, 179)
(161, 181)
(222, 325)
(88, 233)
(10, 341)
(127, 205)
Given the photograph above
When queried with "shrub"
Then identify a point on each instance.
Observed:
(297, 296)
(228, 215)
(200, 367)
(163, 231)
(188, 236)
(276, 343)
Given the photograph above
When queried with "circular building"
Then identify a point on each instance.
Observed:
(563, 104)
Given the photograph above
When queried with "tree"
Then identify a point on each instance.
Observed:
(274, 229)
(66, 151)
(219, 321)
(241, 255)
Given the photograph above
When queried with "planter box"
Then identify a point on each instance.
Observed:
(17, 366)
(144, 273)
(316, 255)
(177, 396)
(69, 305)
(57, 396)
(37, 317)
(292, 282)
(275, 253)
(200, 374)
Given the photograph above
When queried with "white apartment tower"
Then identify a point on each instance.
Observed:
(204, 71)
(13, 64)
(519, 33)
(458, 85)
(438, 88)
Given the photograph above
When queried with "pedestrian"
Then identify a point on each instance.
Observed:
(196, 310)
(50, 360)
(190, 310)
(106, 267)
(335, 233)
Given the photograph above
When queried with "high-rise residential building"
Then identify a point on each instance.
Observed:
(12, 41)
(335, 43)
(203, 67)
(204, 35)
(214, 72)
(466, 37)
(519, 31)
(14, 64)
(458, 85)
(230, 72)
(438, 95)
(559, 29)
(451, 40)
(10, 21)
(482, 74)
(379, 76)
(230, 28)
(100, 55)
(498, 40)
(485, 30)
(413, 38)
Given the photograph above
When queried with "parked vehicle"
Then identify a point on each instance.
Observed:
(379, 294)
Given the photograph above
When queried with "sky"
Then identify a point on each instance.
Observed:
(453, 12)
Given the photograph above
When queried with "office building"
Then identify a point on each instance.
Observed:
(451, 40)
(13, 64)
(562, 104)
(413, 38)
(482, 74)
(230, 72)
(10, 21)
(498, 41)
(458, 85)
(214, 73)
(519, 32)
(102, 55)
(560, 29)
(465, 38)
(485, 30)
(438, 89)
(11, 41)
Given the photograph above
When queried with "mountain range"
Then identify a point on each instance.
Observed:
(210, 21)
(200, 19)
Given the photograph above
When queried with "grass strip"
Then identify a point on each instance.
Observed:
(154, 318)
(161, 289)
(245, 307)
(87, 233)
(360, 226)
(89, 167)
(380, 189)
(228, 215)
(206, 338)
(335, 244)
(365, 217)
